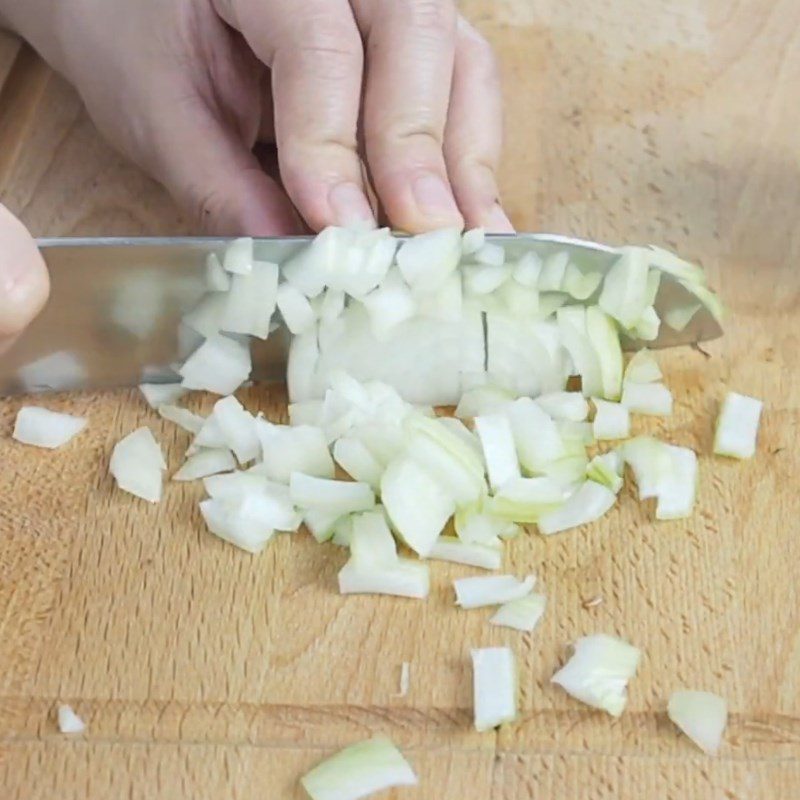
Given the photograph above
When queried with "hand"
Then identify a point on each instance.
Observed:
(24, 284)
(404, 91)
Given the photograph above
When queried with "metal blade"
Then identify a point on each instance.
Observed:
(116, 305)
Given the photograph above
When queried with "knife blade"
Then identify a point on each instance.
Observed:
(115, 312)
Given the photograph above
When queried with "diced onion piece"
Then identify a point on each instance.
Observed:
(590, 502)
(390, 304)
(568, 406)
(206, 317)
(251, 301)
(572, 324)
(238, 256)
(679, 317)
(575, 436)
(499, 452)
(527, 499)
(647, 326)
(405, 679)
(677, 492)
(567, 472)
(606, 469)
(702, 716)
(302, 366)
(491, 255)
(295, 309)
(673, 265)
(536, 436)
(642, 368)
(219, 365)
(331, 305)
(236, 484)
(416, 504)
(737, 426)
(371, 541)
(137, 464)
(491, 590)
(69, 721)
(343, 531)
(205, 463)
(473, 526)
(654, 399)
(487, 399)
(495, 687)
(302, 448)
(356, 459)
(707, 298)
(217, 278)
(604, 336)
(306, 413)
(458, 428)
(359, 771)
(48, 429)
(404, 578)
(446, 303)
(528, 269)
(485, 278)
(182, 417)
(247, 521)
(599, 671)
(157, 394)
(238, 429)
(321, 523)
(311, 268)
(625, 288)
(483, 556)
(344, 497)
(612, 420)
(522, 614)
(581, 285)
(426, 260)
(651, 462)
(472, 241)
(210, 435)
(554, 269)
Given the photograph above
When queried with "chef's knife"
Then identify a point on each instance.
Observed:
(115, 310)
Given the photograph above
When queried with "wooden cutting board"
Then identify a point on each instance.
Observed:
(205, 673)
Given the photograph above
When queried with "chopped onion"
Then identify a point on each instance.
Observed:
(625, 288)
(673, 265)
(702, 716)
(206, 317)
(679, 317)
(485, 278)
(487, 399)
(472, 241)
(390, 304)
(405, 578)
(528, 269)
(572, 324)
(69, 721)
(495, 687)
(647, 327)
(446, 303)
(590, 502)
(527, 499)
(491, 255)
(642, 368)
(295, 309)
(312, 267)
(217, 279)
(251, 301)
(405, 679)
(306, 413)
(238, 429)
(285, 450)
(247, 521)
(737, 426)
(238, 256)
(182, 417)
(210, 435)
(677, 492)
(321, 523)
(473, 526)
(331, 305)
(599, 671)
(499, 452)
(137, 464)
(522, 614)
(604, 336)
(417, 505)
(302, 365)
(554, 269)
(483, 556)
(358, 771)
(356, 459)
(236, 484)
(491, 590)
(567, 406)
(426, 260)
(157, 394)
(536, 435)
(219, 365)
(651, 462)
(606, 469)
(612, 420)
(581, 285)
(205, 463)
(343, 497)
(43, 428)
(647, 398)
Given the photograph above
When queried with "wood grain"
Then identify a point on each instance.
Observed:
(204, 672)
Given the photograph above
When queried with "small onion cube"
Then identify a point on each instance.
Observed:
(495, 687)
(205, 463)
(737, 426)
(157, 394)
(522, 614)
(295, 309)
(219, 365)
(137, 463)
(647, 398)
(217, 278)
(182, 417)
(342, 497)
(49, 429)
(238, 256)
(590, 502)
(702, 716)
(491, 590)
(69, 721)
(612, 420)
(472, 554)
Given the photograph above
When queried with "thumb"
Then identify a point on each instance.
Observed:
(24, 283)
(218, 181)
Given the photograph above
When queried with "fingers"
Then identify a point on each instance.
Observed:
(410, 56)
(474, 133)
(24, 283)
(316, 57)
(208, 168)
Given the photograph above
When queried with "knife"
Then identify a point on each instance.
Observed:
(116, 305)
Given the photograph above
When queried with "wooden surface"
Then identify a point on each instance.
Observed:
(204, 673)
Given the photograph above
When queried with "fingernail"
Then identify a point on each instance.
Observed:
(434, 198)
(350, 206)
(496, 221)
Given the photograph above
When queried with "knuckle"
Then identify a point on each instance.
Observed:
(437, 17)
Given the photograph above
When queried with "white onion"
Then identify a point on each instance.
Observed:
(599, 671)
(69, 721)
(483, 556)
(590, 502)
(522, 614)
(527, 499)
(737, 426)
(426, 260)
(678, 490)
(405, 679)
(642, 368)
(490, 254)
(606, 469)
(495, 687)
(612, 420)
(342, 497)
(356, 459)
(137, 464)
(554, 268)
(295, 309)
(570, 406)
(206, 317)
(285, 450)
(536, 435)
(581, 285)
(48, 429)
(484, 279)
(238, 429)
(358, 771)
(219, 365)
(625, 290)
(499, 452)
(182, 417)
(246, 521)
(238, 257)
(575, 337)
(217, 279)
(604, 337)
(390, 304)
(472, 240)
(702, 716)
(251, 301)
(647, 398)
(528, 269)
(204, 463)
(157, 394)
(491, 590)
